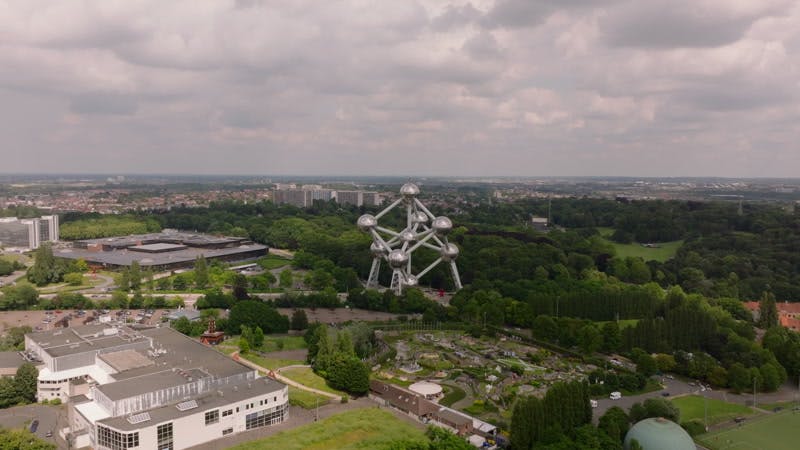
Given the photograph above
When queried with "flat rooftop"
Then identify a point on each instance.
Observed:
(124, 257)
(126, 360)
(87, 338)
(166, 236)
(218, 398)
(156, 248)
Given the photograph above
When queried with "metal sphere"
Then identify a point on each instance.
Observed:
(411, 280)
(420, 217)
(408, 236)
(409, 190)
(397, 258)
(367, 222)
(449, 252)
(442, 225)
(377, 249)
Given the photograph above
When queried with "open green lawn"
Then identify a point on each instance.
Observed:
(307, 377)
(692, 407)
(270, 363)
(270, 262)
(305, 399)
(663, 252)
(277, 343)
(369, 428)
(454, 394)
(768, 432)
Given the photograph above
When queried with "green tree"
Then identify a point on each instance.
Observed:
(286, 279)
(646, 365)
(299, 320)
(589, 338)
(44, 269)
(244, 346)
(135, 275)
(240, 287)
(74, 279)
(25, 382)
(665, 363)
(22, 440)
(615, 423)
(442, 439)
(612, 337)
(739, 378)
(349, 374)
(200, 272)
(768, 311)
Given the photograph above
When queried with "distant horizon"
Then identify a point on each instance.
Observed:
(411, 178)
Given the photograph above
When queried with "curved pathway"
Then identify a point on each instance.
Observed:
(276, 375)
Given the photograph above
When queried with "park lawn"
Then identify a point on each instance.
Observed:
(454, 394)
(270, 363)
(663, 252)
(305, 399)
(767, 432)
(278, 343)
(692, 407)
(368, 428)
(307, 377)
(271, 262)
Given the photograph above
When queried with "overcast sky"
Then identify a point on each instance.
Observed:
(404, 87)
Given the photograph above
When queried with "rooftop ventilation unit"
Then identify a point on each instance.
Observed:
(139, 418)
(185, 406)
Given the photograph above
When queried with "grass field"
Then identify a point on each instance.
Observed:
(270, 363)
(769, 432)
(305, 399)
(624, 323)
(663, 252)
(692, 407)
(371, 428)
(307, 377)
(453, 395)
(276, 343)
(273, 262)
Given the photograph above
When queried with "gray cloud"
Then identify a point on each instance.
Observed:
(103, 103)
(475, 87)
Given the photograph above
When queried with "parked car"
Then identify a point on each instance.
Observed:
(48, 434)
(593, 403)
(34, 426)
(665, 394)
(616, 395)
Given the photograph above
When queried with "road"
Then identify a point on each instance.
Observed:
(674, 387)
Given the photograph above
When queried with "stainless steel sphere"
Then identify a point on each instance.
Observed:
(377, 249)
(411, 280)
(398, 258)
(408, 236)
(442, 225)
(420, 217)
(409, 190)
(367, 222)
(449, 252)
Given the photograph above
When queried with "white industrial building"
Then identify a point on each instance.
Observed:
(149, 388)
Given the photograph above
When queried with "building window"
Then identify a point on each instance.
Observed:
(227, 412)
(164, 435)
(115, 440)
(227, 431)
(266, 417)
(212, 417)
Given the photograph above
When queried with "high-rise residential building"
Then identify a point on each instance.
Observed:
(349, 198)
(372, 199)
(302, 198)
(28, 233)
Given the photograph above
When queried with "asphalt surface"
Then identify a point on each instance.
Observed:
(673, 387)
(22, 416)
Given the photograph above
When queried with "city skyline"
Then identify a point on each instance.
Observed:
(423, 88)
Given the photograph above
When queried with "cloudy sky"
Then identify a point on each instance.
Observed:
(408, 87)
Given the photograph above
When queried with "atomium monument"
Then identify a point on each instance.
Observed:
(396, 248)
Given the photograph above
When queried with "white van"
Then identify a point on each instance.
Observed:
(593, 403)
(616, 395)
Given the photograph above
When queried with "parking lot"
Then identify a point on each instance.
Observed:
(45, 320)
(22, 416)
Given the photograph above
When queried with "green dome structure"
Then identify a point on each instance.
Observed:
(659, 434)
